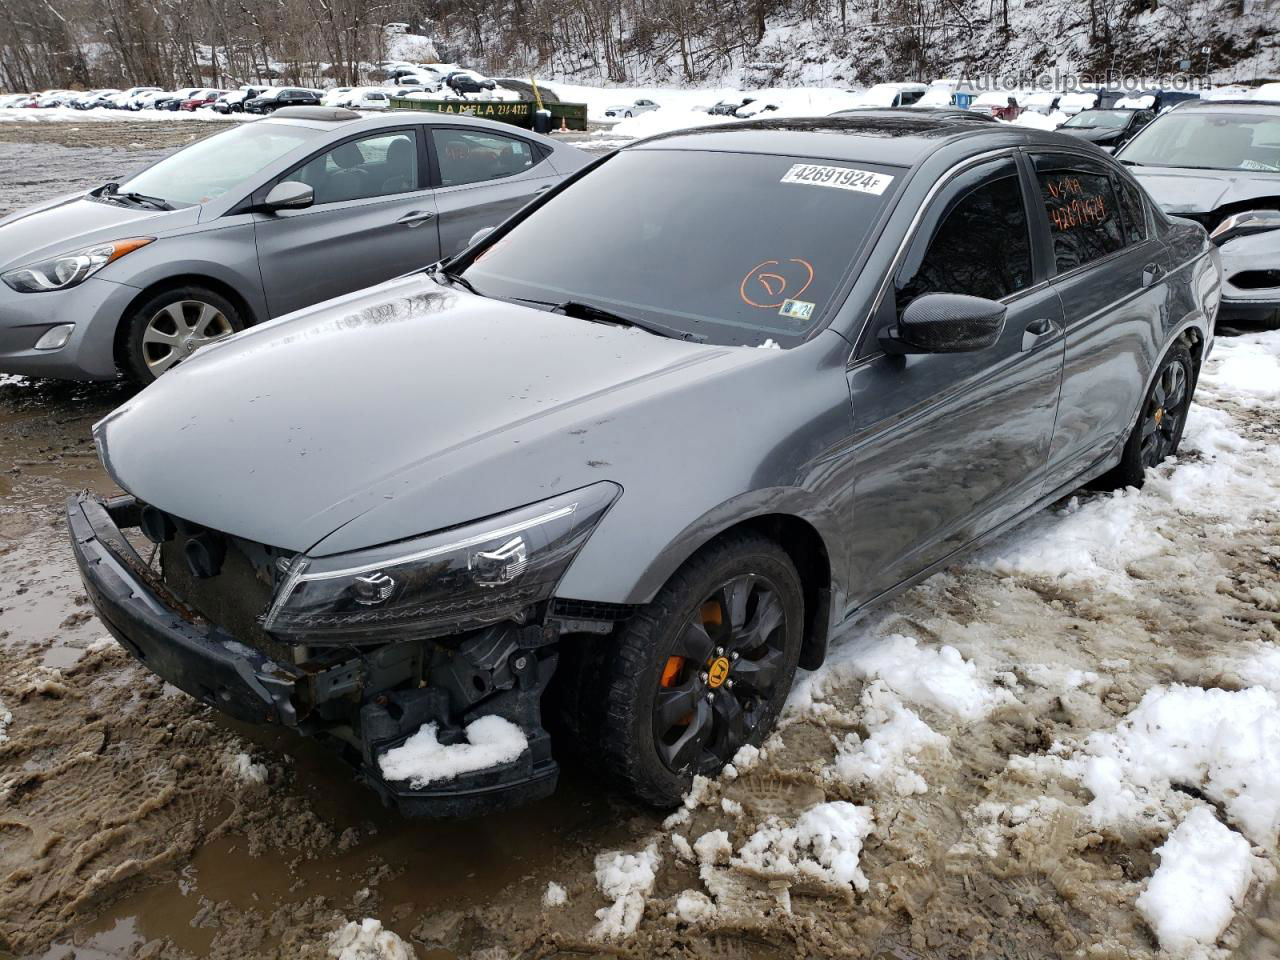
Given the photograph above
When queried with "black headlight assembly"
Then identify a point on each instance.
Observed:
(446, 582)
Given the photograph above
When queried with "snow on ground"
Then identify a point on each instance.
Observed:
(1205, 871)
(367, 940)
(242, 767)
(6, 718)
(423, 759)
(626, 879)
(823, 844)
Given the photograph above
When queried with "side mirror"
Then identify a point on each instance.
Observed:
(479, 235)
(1242, 224)
(945, 323)
(289, 195)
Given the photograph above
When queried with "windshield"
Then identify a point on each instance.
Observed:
(1210, 141)
(1111, 119)
(206, 170)
(729, 248)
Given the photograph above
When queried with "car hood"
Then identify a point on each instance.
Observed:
(418, 405)
(1093, 134)
(1203, 191)
(69, 222)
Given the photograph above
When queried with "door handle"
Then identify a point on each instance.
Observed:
(1038, 332)
(415, 217)
(1151, 273)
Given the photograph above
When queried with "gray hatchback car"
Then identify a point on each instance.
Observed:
(253, 223)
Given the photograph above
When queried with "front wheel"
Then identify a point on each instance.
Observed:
(1158, 432)
(703, 669)
(173, 325)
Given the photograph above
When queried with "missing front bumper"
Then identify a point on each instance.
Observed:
(209, 663)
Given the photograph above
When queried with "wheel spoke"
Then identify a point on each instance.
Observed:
(685, 751)
(160, 364)
(1158, 392)
(734, 597)
(152, 335)
(731, 724)
(695, 643)
(177, 313)
(1177, 386)
(759, 674)
(768, 616)
(674, 705)
(208, 314)
(1149, 426)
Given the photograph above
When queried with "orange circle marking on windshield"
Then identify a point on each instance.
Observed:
(774, 283)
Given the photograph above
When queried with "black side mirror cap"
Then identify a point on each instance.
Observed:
(945, 323)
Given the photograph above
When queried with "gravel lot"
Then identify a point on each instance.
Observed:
(947, 747)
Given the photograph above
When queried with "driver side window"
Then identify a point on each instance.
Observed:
(376, 166)
(981, 245)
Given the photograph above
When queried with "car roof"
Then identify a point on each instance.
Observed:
(330, 118)
(889, 137)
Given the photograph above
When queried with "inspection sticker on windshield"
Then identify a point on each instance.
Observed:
(796, 309)
(842, 178)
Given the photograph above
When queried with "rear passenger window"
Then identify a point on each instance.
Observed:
(472, 157)
(1085, 217)
(980, 247)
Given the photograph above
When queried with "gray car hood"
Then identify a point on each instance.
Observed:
(70, 222)
(409, 407)
(1203, 191)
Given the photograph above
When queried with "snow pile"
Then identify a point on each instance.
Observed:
(70, 114)
(896, 741)
(555, 895)
(367, 940)
(1225, 744)
(937, 678)
(626, 879)
(1249, 364)
(242, 767)
(824, 844)
(423, 759)
(6, 718)
(694, 906)
(1204, 873)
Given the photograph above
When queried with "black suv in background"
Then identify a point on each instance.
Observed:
(273, 98)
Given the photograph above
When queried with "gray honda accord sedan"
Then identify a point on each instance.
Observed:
(249, 224)
(625, 464)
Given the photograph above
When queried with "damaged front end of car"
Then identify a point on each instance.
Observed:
(364, 649)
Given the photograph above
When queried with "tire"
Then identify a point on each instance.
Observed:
(734, 612)
(1163, 416)
(627, 114)
(182, 319)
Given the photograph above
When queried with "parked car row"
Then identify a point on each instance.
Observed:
(429, 512)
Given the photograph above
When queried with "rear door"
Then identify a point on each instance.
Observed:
(373, 219)
(950, 445)
(484, 177)
(1109, 270)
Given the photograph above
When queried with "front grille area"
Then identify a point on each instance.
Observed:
(590, 610)
(1255, 279)
(237, 596)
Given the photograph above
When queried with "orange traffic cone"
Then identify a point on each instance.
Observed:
(564, 127)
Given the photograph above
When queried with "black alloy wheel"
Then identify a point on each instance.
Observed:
(720, 675)
(700, 671)
(1161, 420)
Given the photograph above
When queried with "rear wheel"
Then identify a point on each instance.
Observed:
(173, 325)
(1158, 432)
(703, 669)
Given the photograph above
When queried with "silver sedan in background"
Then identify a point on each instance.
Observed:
(252, 223)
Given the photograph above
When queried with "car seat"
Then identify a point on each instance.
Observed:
(349, 181)
(400, 167)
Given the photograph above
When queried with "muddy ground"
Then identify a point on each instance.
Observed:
(134, 823)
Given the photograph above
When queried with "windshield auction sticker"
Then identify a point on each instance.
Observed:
(842, 178)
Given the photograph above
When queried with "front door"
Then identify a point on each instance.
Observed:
(948, 446)
(372, 219)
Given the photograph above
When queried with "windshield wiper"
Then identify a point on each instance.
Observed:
(439, 270)
(595, 314)
(113, 191)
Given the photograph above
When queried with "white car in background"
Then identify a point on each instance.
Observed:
(367, 98)
(632, 109)
(125, 99)
(892, 95)
(335, 96)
